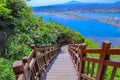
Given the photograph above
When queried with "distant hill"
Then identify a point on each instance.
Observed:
(82, 7)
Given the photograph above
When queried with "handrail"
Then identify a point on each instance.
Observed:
(79, 57)
(31, 67)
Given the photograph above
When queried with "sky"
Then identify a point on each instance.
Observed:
(52, 2)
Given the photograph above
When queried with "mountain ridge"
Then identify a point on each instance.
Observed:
(80, 6)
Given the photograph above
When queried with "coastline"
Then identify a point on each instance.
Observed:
(70, 15)
(105, 21)
(99, 40)
(116, 41)
(62, 14)
(73, 15)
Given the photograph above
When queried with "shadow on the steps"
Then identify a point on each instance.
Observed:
(44, 73)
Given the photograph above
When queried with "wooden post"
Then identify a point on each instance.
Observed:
(33, 46)
(103, 56)
(27, 69)
(25, 60)
(82, 63)
(18, 68)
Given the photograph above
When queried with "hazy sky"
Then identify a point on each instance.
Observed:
(51, 2)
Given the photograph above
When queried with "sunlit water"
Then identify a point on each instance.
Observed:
(96, 30)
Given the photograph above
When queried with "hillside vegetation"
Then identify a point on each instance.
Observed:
(20, 28)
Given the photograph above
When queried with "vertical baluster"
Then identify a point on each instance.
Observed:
(39, 63)
(104, 72)
(44, 61)
(77, 64)
(72, 55)
(34, 69)
(55, 51)
(87, 70)
(48, 58)
(32, 75)
(49, 53)
(113, 73)
(75, 61)
(92, 71)
(52, 51)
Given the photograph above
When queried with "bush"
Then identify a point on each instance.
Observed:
(6, 72)
(24, 29)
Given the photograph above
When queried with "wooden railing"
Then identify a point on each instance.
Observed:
(31, 67)
(86, 66)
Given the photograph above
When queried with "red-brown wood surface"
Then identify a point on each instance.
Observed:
(103, 61)
(31, 67)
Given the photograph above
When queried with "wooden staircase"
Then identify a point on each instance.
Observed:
(71, 63)
(61, 68)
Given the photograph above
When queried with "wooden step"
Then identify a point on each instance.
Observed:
(61, 68)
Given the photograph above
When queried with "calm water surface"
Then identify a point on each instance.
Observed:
(97, 31)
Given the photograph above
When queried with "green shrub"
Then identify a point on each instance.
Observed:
(6, 72)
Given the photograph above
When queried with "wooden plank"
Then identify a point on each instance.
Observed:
(93, 51)
(95, 60)
(87, 77)
(114, 63)
(61, 68)
(114, 51)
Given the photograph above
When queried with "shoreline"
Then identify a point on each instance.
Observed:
(73, 15)
(105, 21)
(79, 16)
(63, 14)
(99, 40)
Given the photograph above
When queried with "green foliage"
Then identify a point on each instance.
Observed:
(115, 57)
(2, 1)
(16, 51)
(71, 35)
(3, 10)
(91, 44)
(17, 6)
(24, 29)
(4, 14)
(6, 72)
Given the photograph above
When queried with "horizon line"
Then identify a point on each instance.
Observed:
(74, 1)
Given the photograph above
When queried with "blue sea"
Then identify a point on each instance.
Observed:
(93, 29)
